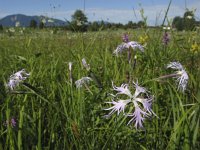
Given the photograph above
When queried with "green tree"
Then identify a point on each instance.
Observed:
(33, 24)
(189, 21)
(94, 26)
(79, 21)
(141, 24)
(178, 23)
(41, 25)
(1, 27)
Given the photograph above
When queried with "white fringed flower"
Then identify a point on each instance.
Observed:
(16, 78)
(139, 89)
(118, 106)
(83, 81)
(141, 106)
(138, 116)
(182, 76)
(134, 45)
(123, 89)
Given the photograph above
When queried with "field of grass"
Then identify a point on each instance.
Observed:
(51, 113)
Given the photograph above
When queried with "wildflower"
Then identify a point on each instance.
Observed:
(141, 106)
(143, 39)
(118, 106)
(122, 90)
(138, 116)
(125, 38)
(181, 75)
(139, 89)
(12, 122)
(16, 78)
(83, 81)
(194, 47)
(70, 72)
(120, 48)
(70, 66)
(132, 44)
(87, 66)
(135, 45)
(166, 38)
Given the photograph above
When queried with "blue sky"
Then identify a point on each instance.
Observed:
(109, 10)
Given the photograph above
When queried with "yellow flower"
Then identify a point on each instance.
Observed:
(195, 47)
(143, 39)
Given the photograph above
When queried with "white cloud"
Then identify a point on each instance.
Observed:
(154, 14)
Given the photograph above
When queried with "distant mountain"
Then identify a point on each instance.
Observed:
(24, 21)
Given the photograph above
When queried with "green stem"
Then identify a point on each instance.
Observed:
(21, 115)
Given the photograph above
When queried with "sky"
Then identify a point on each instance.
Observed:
(118, 11)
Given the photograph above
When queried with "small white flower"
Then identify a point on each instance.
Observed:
(70, 66)
(87, 66)
(16, 78)
(182, 76)
(84, 80)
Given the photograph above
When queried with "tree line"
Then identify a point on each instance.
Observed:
(79, 22)
(187, 22)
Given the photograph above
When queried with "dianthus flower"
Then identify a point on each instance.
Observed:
(16, 78)
(141, 107)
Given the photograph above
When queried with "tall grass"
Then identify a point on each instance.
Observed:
(51, 113)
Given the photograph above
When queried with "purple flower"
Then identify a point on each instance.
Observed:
(12, 123)
(125, 38)
(166, 38)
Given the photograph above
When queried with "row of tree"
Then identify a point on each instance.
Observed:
(187, 22)
(79, 22)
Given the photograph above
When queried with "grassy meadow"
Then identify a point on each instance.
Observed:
(51, 113)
